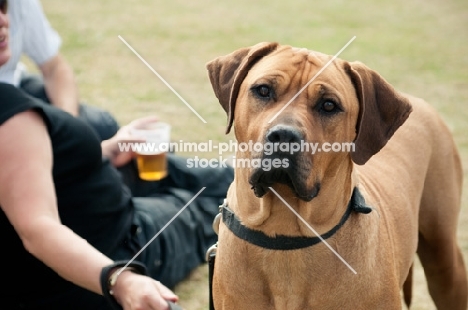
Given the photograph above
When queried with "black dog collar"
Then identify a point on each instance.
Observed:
(281, 242)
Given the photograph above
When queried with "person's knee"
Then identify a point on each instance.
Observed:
(101, 120)
(33, 85)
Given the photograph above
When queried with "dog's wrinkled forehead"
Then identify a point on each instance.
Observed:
(284, 65)
(311, 55)
(289, 58)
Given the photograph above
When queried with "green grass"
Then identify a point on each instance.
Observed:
(419, 46)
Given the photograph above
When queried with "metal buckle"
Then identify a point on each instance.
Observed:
(211, 251)
(217, 218)
(216, 222)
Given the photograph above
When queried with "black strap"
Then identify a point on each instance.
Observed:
(282, 242)
(211, 264)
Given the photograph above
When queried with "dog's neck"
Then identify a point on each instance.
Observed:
(270, 215)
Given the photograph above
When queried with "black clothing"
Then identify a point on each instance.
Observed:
(103, 123)
(95, 203)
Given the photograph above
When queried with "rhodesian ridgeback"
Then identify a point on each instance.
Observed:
(334, 228)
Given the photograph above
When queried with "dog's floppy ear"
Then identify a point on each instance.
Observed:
(381, 111)
(227, 73)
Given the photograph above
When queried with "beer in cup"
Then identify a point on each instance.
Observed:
(151, 156)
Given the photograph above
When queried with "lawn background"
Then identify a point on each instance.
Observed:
(418, 46)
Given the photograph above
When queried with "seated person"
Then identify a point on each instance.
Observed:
(32, 35)
(69, 223)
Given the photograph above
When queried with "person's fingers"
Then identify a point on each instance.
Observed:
(166, 293)
(160, 304)
(139, 292)
(148, 298)
(126, 131)
(144, 120)
(125, 135)
(157, 302)
(131, 139)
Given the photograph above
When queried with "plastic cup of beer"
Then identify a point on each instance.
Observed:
(151, 157)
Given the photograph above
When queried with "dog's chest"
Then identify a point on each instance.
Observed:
(295, 280)
(298, 279)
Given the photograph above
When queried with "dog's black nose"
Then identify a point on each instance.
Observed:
(283, 134)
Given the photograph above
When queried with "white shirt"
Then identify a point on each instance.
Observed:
(30, 34)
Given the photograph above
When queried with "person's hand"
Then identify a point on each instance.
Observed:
(133, 291)
(111, 149)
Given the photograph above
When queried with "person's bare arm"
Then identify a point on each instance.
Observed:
(60, 84)
(27, 197)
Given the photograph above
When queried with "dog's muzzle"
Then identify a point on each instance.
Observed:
(294, 166)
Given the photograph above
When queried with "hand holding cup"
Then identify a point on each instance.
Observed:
(151, 152)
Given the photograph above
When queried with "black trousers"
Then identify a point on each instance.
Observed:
(182, 245)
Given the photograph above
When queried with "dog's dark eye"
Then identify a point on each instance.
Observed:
(329, 107)
(263, 91)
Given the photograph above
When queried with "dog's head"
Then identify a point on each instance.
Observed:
(308, 117)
